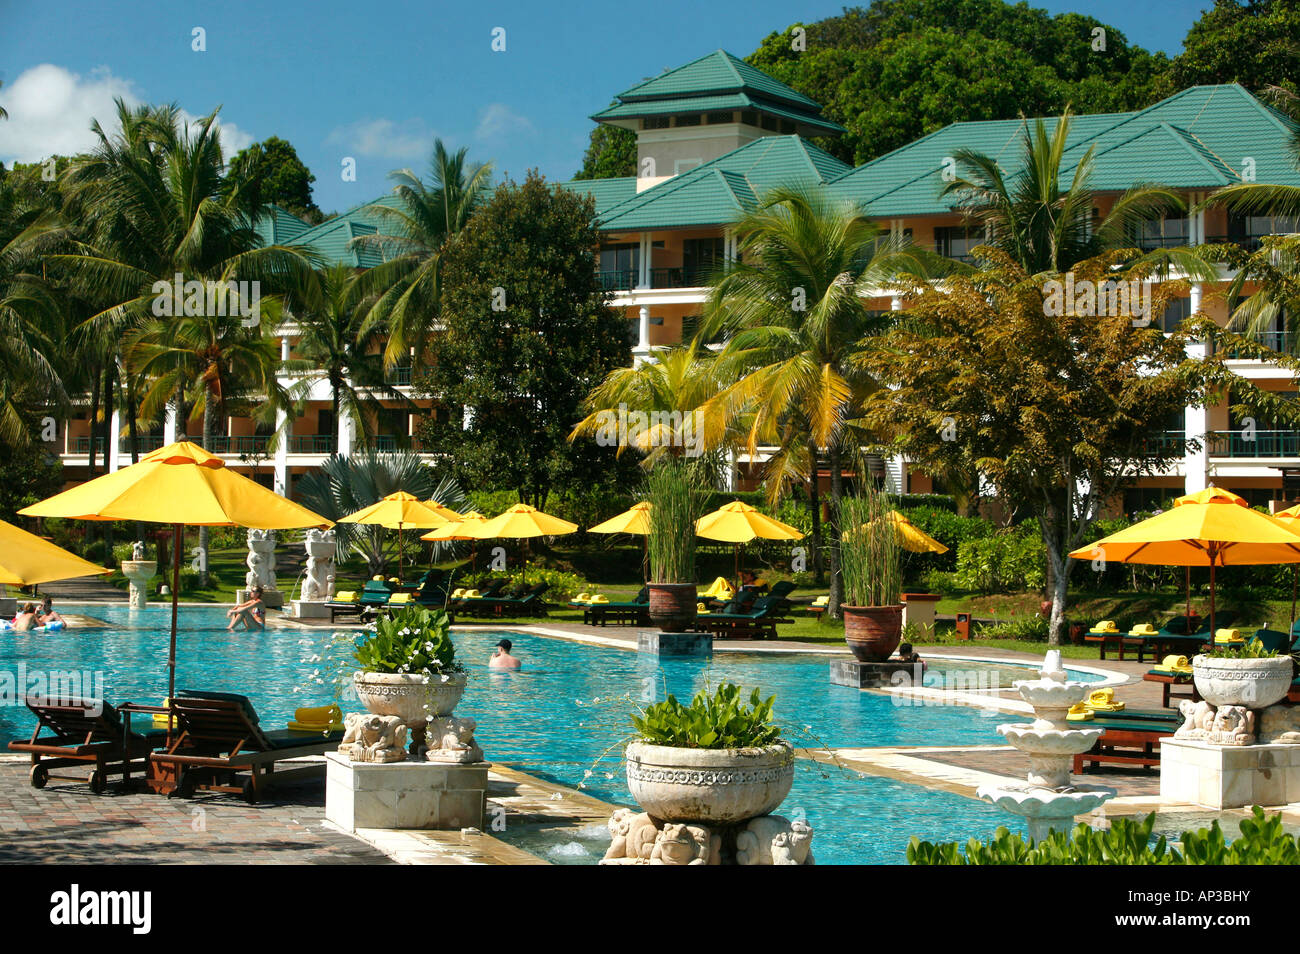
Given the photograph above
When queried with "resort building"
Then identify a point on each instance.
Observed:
(715, 135)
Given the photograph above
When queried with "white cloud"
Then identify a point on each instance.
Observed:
(497, 121)
(385, 138)
(51, 110)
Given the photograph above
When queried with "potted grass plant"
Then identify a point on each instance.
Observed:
(676, 499)
(871, 568)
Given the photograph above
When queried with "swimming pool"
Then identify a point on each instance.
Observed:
(557, 715)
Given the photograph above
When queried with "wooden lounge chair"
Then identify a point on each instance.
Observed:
(528, 603)
(1130, 737)
(759, 623)
(1117, 641)
(486, 594)
(218, 739)
(634, 612)
(84, 733)
(1182, 636)
(353, 607)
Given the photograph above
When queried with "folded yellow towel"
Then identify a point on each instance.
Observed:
(1079, 712)
(457, 593)
(345, 596)
(377, 578)
(470, 595)
(399, 598)
(821, 600)
(159, 719)
(599, 598)
(1227, 636)
(719, 589)
(318, 715)
(1143, 629)
(701, 609)
(1103, 700)
(1179, 664)
(322, 727)
(1105, 626)
(582, 598)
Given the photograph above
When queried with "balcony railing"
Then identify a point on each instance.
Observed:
(1255, 444)
(398, 376)
(626, 279)
(253, 444)
(618, 279)
(82, 445)
(1165, 443)
(1283, 341)
(312, 444)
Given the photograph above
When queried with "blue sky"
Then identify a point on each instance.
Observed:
(377, 81)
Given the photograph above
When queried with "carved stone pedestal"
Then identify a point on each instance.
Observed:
(675, 644)
(305, 609)
(1229, 776)
(637, 838)
(418, 795)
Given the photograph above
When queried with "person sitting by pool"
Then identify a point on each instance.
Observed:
(501, 658)
(907, 654)
(27, 620)
(48, 614)
(251, 612)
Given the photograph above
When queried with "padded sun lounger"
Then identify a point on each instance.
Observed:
(1128, 738)
(218, 745)
(759, 623)
(486, 594)
(1174, 638)
(84, 733)
(633, 612)
(528, 604)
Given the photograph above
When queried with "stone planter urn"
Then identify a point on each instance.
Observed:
(710, 786)
(138, 573)
(412, 697)
(873, 632)
(672, 606)
(1251, 683)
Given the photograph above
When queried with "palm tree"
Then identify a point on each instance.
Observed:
(1046, 224)
(334, 347)
(158, 212)
(793, 314)
(407, 287)
(344, 485)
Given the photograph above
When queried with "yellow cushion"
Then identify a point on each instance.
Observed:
(1143, 629)
(345, 596)
(1227, 636)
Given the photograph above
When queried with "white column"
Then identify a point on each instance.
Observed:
(169, 423)
(114, 440)
(282, 452)
(284, 348)
(1196, 464)
(643, 272)
(643, 329)
(347, 435)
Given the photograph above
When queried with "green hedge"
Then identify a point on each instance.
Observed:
(1127, 842)
(1009, 561)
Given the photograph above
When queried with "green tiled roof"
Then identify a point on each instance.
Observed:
(606, 192)
(716, 72)
(1195, 139)
(332, 239)
(716, 192)
(718, 81)
(279, 227)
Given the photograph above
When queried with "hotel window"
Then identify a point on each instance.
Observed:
(1247, 230)
(715, 119)
(956, 241)
(700, 258)
(656, 122)
(693, 119)
(620, 266)
(1169, 232)
(749, 118)
(1177, 311)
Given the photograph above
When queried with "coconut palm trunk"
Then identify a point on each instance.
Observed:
(815, 505)
(837, 495)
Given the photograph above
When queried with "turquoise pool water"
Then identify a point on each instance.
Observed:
(557, 715)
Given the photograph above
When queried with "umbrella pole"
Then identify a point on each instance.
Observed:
(171, 652)
(1211, 598)
(1188, 610)
(1295, 570)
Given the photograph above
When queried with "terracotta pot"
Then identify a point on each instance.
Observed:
(873, 632)
(672, 606)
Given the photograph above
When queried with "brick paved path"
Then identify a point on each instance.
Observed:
(64, 823)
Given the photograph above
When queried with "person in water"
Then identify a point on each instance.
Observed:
(501, 658)
(27, 620)
(251, 612)
(48, 614)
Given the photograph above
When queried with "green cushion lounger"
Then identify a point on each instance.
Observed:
(631, 611)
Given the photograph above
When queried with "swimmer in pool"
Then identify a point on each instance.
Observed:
(501, 658)
(27, 619)
(48, 614)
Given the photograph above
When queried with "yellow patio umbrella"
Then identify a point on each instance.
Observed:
(465, 527)
(26, 559)
(1217, 533)
(739, 523)
(442, 510)
(1290, 518)
(399, 511)
(523, 522)
(635, 520)
(1211, 494)
(910, 536)
(183, 485)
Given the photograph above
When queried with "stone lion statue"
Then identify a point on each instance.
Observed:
(451, 739)
(773, 840)
(680, 844)
(373, 738)
(632, 837)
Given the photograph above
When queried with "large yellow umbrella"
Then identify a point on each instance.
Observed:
(739, 523)
(910, 536)
(1211, 494)
(635, 520)
(1217, 533)
(1290, 518)
(26, 559)
(399, 511)
(522, 522)
(442, 510)
(465, 527)
(180, 484)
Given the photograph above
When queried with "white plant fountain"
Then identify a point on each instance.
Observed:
(1048, 801)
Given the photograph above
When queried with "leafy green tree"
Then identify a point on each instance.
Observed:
(1053, 410)
(281, 177)
(528, 336)
(1252, 43)
(610, 154)
(406, 288)
(793, 312)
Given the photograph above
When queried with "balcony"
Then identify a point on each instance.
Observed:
(253, 444)
(1283, 341)
(1258, 444)
(312, 443)
(626, 279)
(400, 376)
(1165, 443)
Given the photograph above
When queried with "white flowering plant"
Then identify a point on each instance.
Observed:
(413, 640)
